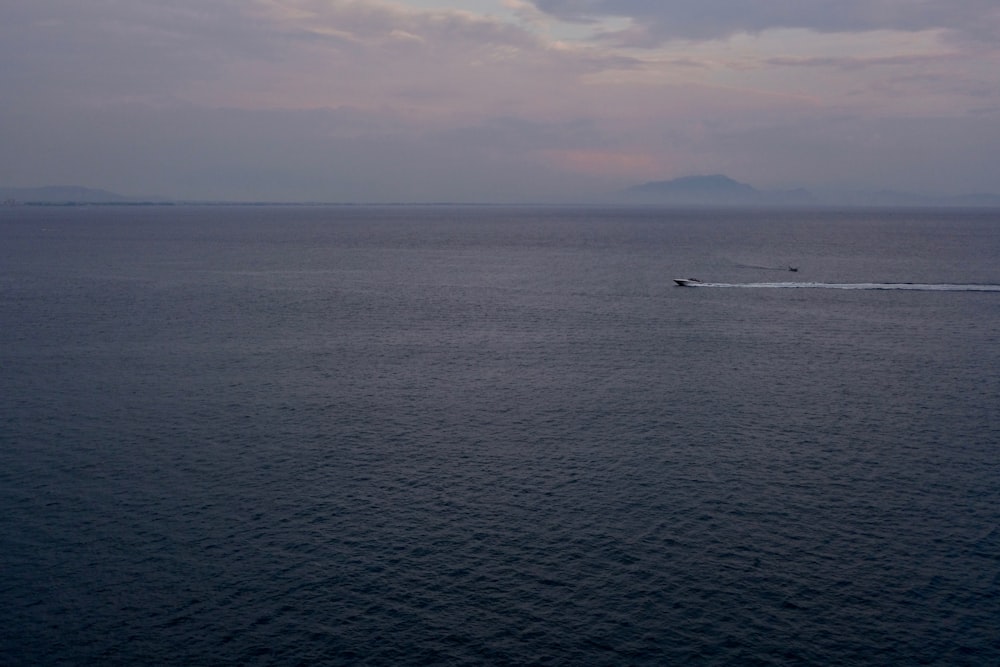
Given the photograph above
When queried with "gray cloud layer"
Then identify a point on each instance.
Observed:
(372, 100)
(658, 20)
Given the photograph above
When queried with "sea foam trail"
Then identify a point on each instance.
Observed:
(926, 287)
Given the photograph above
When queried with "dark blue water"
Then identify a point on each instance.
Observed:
(498, 436)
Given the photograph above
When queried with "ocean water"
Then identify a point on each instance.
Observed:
(490, 435)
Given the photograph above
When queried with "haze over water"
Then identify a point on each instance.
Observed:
(491, 435)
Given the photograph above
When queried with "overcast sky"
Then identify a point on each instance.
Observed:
(496, 100)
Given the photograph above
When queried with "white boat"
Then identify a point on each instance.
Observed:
(686, 282)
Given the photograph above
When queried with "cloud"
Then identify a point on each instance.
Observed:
(292, 53)
(458, 59)
(123, 49)
(655, 21)
(445, 63)
(857, 63)
(380, 100)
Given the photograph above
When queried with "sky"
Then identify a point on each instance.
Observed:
(496, 100)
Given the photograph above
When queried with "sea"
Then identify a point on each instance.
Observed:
(499, 435)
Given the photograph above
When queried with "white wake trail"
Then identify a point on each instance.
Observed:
(924, 287)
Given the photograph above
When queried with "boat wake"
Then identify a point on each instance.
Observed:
(922, 287)
(767, 268)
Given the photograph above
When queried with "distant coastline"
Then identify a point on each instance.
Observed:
(720, 190)
(707, 191)
(72, 195)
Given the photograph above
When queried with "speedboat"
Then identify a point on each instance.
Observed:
(686, 282)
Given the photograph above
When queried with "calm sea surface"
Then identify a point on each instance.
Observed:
(482, 435)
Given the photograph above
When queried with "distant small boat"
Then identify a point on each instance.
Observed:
(793, 268)
(686, 282)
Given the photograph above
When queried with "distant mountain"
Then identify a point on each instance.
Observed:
(719, 190)
(694, 189)
(62, 194)
(706, 190)
(711, 190)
